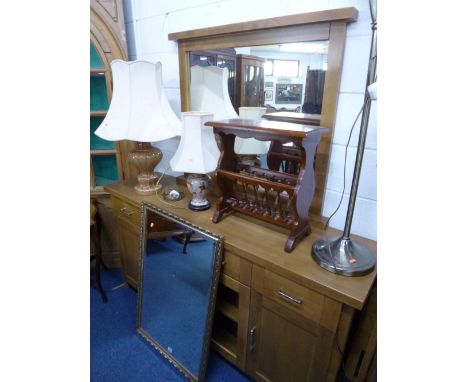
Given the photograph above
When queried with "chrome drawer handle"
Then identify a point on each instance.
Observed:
(289, 298)
(126, 212)
(252, 338)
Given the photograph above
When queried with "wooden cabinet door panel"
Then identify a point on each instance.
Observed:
(129, 239)
(284, 346)
(284, 349)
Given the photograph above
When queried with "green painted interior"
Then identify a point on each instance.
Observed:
(96, 61)
(105, 166)
(98, 143)
(98, 95)
(105, 169)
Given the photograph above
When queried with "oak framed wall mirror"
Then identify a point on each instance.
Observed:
(179, 272)
(293, 62)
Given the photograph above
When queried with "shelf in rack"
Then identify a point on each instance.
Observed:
(98, 70)
(98, 113)
(255, 181)
(224, 343)
(228, 310)
(103, 152)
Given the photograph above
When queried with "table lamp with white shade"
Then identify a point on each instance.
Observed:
(139, 111)
(248, 149)
(197, 155)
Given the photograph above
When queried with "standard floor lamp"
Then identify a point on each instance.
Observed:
(343, 255)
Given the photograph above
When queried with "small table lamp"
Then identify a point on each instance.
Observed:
(140, 112)
(248, 149)
(197, 155)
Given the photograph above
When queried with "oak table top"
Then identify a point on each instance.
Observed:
(262, 244)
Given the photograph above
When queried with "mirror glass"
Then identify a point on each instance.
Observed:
(179, 273)
(278, 78)
(293, 76)
(281, 77)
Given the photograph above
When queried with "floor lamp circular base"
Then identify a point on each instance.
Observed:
(343, 256)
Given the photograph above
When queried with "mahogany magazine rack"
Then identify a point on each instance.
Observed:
(276, 197)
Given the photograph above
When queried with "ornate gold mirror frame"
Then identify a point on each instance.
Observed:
(314, 26)
(158, 222)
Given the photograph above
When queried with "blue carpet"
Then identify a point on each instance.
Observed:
(119, 353)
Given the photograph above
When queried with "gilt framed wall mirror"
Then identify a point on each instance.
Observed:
(179, 271)
(298, 58)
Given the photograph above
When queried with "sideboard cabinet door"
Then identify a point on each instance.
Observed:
(282, 344)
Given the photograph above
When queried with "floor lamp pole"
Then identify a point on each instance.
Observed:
(343, 255)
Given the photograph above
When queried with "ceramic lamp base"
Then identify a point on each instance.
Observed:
(145, 158)
(195, 207)
(198, 185)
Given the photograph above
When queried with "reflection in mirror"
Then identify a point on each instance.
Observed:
(179, 273)
(281, 77)
(285, 79)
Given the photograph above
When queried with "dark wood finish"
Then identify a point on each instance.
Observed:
(288, 157)
(287, 116)
(294, 215)
(97, 257)
(249, 91)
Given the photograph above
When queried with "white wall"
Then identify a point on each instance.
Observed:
(149, 22)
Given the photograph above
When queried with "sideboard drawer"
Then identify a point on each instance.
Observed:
(288, 293)
(126, 211)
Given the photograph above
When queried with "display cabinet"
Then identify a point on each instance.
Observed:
(108, 162)
(249, 81)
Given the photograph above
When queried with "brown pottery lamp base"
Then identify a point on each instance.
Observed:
(145, 158)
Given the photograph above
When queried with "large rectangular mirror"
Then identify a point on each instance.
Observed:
(323, 32)
(179, 271)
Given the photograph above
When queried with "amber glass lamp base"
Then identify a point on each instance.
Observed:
(145, 158)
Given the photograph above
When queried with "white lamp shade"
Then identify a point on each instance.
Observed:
(139, 110)
(251, 146)
(209, 91)
(198, 151)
